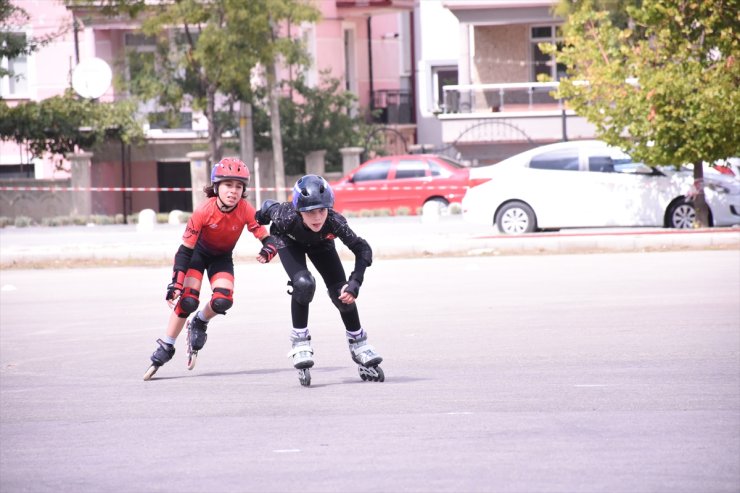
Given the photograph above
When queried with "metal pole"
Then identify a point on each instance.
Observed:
(257, 186)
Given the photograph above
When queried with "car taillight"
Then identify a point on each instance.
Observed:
(474, 182)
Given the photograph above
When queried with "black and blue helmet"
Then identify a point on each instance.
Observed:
(312, 192)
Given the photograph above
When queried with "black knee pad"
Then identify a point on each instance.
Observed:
(188, 302)
(333, 292)
(222, 300)
(304, 287)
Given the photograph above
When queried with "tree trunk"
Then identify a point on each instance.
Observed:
(214, 130)
(277, 139)
(700, 201)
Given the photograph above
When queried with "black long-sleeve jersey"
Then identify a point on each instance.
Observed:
(287, 226)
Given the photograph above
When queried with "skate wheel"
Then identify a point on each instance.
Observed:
(304, 376)
(150, 372)
(373, 374)
(192, 358)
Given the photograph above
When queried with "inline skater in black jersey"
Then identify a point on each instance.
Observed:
(306, 228)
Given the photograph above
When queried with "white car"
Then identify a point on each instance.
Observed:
(590, 184)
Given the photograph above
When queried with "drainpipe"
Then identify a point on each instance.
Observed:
(76, 38)
(370, 61)
(412, 99)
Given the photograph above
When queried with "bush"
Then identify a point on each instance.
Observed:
(23, 221)
(5, 221)
(56, 221)
(101, 220)
(454, 208)
(403, 211)
(79, 220)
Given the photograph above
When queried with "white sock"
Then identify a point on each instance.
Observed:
(201, 317)
(299, 333)
(355, 335)
(169, 340)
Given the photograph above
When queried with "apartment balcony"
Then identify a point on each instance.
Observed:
(374, 7)
(514, 113)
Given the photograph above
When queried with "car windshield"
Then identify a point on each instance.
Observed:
(374, 171)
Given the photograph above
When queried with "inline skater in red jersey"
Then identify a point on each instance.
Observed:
(207, 245)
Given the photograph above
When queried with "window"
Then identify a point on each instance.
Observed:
(438, 170)
(411, 169)
(374, 171)
(602, 164)
(141, 60)
(16, 171)
(542, 63)
(442, 76)
(16, 83)
(563, 159)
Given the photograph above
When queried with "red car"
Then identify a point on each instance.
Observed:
(402, 182)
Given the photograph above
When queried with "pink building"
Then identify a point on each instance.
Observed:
(365, 43)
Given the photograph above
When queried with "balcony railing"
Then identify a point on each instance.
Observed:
(394, 107)
(519, 96)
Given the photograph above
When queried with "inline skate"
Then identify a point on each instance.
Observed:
(302, 354)
(367, 359)
(161, 355)
(196, 339)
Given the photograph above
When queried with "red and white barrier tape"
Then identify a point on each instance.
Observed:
(189, 189)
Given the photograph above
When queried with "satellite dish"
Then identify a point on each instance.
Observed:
(91, 78)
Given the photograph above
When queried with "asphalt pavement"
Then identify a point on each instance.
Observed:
(390, 237)
(598, 373)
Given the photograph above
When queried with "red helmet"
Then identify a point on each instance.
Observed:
(230, 168)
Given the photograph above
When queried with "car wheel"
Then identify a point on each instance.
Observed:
(440, 204)
(681, 215)
(516, 218)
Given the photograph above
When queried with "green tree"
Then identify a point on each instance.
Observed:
(321, 118)
(61, 124)
(206, 61)
(659, 78)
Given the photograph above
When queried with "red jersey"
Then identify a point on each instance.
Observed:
(217, 232)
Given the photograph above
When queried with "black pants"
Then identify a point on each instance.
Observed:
(327, 263)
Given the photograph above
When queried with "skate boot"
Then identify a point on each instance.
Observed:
(196, 339)
(366, 358)
(161, 355)
(302, 354)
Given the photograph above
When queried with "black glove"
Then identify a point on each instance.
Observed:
(354, 283)
(263, 215)
(353, 288)
(176, 285)
(269, 249)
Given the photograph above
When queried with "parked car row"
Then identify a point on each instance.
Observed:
(565, 185)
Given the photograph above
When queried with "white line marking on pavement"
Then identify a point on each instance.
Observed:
(287, 451)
